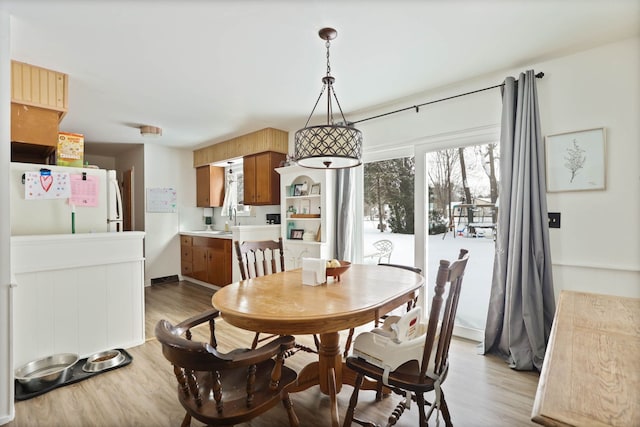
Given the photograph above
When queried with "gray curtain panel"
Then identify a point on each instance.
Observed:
(522, 303)
(345, 214)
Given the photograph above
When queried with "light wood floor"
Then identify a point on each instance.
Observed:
(480, 390)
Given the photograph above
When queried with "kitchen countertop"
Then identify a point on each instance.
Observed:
(235, 230)
(215, 234)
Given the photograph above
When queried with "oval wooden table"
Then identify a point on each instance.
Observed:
(280, 304)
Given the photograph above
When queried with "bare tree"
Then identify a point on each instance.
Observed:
(442, 176)
(489, 154)
(376, 181)
(465, 185)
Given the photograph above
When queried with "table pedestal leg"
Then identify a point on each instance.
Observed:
(330, 362)
(330, 367)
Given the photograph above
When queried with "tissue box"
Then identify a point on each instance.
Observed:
(314, 271)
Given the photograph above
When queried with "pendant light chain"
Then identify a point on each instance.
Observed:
(328, 45)
(328, 82)
(332, 91)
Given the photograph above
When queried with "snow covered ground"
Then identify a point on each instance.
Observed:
(474, 298)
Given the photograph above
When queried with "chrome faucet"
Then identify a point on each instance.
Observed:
(233, 215)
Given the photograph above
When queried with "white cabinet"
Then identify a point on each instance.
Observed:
(307, 212)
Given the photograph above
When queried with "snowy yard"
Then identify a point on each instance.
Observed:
(474, 298)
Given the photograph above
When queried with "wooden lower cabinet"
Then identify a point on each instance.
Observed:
(206, 259)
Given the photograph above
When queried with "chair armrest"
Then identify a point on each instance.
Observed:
(267, 351)
(198, 319)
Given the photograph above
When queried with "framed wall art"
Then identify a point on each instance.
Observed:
(575, 161)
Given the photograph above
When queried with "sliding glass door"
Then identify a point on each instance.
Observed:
(462, 207)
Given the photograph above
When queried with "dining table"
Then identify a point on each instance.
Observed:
(281, 304)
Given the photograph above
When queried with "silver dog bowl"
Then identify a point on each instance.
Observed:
(103, 360)
(41, 373)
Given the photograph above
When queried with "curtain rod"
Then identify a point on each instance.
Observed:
(417, 107)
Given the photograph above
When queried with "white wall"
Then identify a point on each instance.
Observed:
(598, 247)
(103, 162)
(6, 343)
(166, 168)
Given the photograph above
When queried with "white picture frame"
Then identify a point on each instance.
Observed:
(575, 161)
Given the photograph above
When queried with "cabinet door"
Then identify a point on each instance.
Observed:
(209, 186)
(249, 170)
(264, 178)
(226, 265)
(261, 181)
(219, 262)
(200, 263)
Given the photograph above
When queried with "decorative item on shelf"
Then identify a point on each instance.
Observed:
(289, 161)
(305, 206)
(304, 190)
(305, 215)
(297, 189)
(296, 234)
(333, 145)
(319, 234)
(315, 189)
(336, 268)
(291, 211)
(309, 236)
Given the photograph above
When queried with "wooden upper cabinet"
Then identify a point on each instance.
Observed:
(261, 181)
(209, 186)
(39, 87)
(34, 125)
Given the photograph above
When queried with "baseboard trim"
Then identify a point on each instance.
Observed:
(469, 333)
(200, 283)
(165, 279)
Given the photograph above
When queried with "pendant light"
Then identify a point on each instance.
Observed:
(333, 145)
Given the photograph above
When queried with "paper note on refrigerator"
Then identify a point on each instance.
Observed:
(84, 190)
(46, 185)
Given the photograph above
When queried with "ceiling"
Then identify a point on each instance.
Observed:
(206, 71)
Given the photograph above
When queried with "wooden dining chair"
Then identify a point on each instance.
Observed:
(415, 378)
(226, 388)
(261, 258)
(410, 304)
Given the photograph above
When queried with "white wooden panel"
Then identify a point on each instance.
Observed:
(92, 309)
(119, 303)
(56, 251)
(64, 313)
(81, 309)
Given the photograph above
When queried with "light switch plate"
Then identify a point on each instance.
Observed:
(554, 219)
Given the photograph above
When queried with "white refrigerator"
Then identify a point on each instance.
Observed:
(97, 210)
